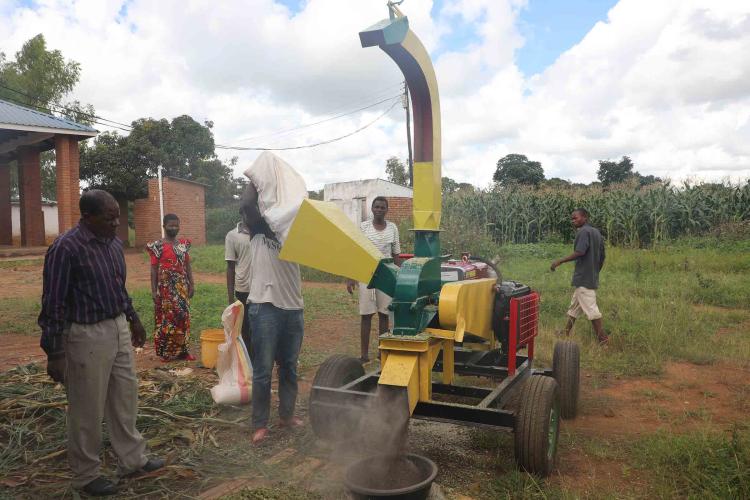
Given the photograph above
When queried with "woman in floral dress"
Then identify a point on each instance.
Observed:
(171, 289)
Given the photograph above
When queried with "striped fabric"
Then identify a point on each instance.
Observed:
(386, 240)
(84, 282)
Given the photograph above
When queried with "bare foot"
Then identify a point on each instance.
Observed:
(260, 435)
(291, 423)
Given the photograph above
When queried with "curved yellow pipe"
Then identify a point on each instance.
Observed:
(396, 39)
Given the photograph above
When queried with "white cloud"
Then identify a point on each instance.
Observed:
(663, 82)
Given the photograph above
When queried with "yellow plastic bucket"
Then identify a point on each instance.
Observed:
(210, 340)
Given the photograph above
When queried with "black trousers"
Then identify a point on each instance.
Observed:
(242, 297)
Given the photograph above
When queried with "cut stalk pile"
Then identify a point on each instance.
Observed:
(176, 415)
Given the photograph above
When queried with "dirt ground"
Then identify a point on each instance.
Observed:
(612, 410)
(685, 397)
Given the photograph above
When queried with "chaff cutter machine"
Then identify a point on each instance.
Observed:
(442, 329)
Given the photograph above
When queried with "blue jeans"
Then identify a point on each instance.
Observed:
(277, 336)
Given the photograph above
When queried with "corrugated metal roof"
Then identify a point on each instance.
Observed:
(14, 115)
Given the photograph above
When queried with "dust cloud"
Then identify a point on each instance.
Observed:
(382, 433)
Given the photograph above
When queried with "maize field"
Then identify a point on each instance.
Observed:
(627, 216)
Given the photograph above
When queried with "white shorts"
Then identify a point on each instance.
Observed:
(584, 301)
(372, 301)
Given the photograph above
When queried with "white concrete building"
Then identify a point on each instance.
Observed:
(49, 209)
(355, 197)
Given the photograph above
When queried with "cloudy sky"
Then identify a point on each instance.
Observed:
(566, 82)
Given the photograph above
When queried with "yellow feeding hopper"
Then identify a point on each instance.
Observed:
(324, 238)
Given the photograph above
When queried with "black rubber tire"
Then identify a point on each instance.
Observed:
(536, 424)
(336, 371)
(566, 362)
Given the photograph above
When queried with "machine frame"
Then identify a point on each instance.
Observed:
(489, 411)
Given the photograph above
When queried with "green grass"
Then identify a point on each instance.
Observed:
(514, 484)
(321, 303)
(210, 259)
(205, 308)
(665, 303)
(700, 464)
(210, 300)
(10, 264)
(19, 316)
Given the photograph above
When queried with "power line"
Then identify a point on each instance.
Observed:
(54, 108)
(69, 110)
(306, 146)
(344, 108)
(282, 132)
(127, 128)
(375, 94)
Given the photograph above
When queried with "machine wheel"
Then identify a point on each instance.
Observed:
(565, 367)
(538, 425)
(336, 371)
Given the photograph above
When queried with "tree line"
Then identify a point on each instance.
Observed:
(515, 170)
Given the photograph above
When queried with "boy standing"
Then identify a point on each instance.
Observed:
(384, 235)
(588, 254)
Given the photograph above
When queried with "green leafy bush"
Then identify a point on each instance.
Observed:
(219, 221)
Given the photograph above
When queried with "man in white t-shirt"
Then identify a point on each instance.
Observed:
(237, 256)
(384, 235)
(276, 320)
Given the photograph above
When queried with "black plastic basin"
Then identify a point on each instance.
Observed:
(405, 477)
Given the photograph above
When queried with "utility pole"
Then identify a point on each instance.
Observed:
(161, 199)
(405, 101)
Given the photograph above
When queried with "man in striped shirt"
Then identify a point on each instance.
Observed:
(384, 235)
(89, 328)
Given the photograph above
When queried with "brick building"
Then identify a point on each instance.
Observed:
(185, 198)
(399, 208)
(24, 134)
(355, 198)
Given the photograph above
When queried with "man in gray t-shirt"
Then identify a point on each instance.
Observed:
(237, 256)
(588, 254)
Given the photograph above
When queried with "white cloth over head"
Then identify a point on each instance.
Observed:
(280, 192)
